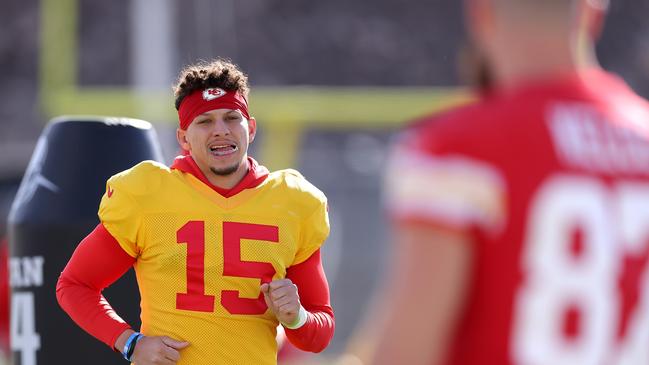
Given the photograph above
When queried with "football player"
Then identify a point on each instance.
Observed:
(521, 222)
(223, 249)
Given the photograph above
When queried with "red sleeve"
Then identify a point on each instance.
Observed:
(96, 263)
(313, 289)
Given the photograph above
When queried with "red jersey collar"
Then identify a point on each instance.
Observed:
(255, 176)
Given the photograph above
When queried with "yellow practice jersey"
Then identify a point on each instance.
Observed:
(201, 257)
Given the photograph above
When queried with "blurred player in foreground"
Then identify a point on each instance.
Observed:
(223, 250)
(521, 222)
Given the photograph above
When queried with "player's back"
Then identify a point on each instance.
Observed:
(554, 181)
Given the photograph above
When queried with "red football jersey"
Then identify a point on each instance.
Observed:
(552, 182)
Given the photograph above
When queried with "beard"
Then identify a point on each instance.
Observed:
(226, 170)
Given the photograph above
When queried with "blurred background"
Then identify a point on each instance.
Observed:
(331, 81)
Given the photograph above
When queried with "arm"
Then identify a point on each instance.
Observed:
(307, 278)
(96, 263)
(424, 296)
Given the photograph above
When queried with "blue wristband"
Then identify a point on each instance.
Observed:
(129, 346)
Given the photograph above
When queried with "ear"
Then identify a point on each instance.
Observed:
(181, 136)
(478, 17)
(252, 128)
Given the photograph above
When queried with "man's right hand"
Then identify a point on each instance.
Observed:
(157, 350)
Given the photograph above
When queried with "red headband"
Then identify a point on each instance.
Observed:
(201, 101)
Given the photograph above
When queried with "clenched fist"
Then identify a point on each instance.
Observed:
(282, 298)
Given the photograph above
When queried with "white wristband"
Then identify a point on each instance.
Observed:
(301, 320)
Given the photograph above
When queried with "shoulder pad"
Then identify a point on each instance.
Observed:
(141, 179)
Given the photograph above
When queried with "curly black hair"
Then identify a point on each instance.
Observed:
(220, 73)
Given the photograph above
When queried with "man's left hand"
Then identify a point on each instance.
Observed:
(282, 298)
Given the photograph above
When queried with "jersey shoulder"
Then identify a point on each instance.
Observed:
(466, 114)
(295, 187)
(458, 130)
(142, 179)
(305, 202)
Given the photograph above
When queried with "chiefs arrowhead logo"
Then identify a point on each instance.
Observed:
(213, 93)
(110, 191)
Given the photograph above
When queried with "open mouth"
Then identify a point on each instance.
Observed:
(223, 149)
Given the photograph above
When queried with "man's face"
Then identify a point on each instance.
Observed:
(218, 140)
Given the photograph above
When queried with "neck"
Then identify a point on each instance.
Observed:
(231, 180)
(519, 62)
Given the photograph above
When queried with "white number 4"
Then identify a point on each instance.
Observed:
(24, 337)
